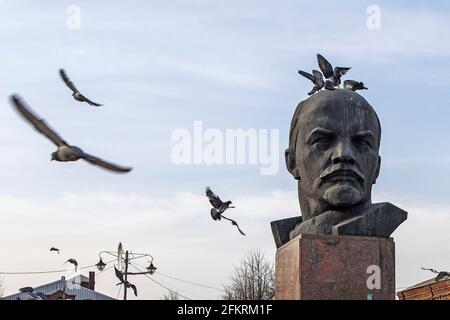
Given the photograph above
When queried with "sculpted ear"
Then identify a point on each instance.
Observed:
(377, 172)
(291, 164)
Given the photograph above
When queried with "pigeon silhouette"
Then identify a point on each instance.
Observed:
(316, 78)
(74, 262)
(441, 274)
(334, 75)
(65, 151)
(54, 249)
(219, 208)
(127, 284)
(354, 85)
(76, 93)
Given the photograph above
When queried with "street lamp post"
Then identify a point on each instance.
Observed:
(125, 258)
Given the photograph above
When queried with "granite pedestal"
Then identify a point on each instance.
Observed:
(328, 267)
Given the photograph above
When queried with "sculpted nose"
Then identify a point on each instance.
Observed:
(343, 153)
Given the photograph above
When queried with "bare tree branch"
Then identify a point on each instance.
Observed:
(252, 279)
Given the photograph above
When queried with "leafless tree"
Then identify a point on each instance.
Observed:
(171, 295)
(252, 279)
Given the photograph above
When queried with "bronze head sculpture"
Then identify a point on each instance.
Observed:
(333, 154)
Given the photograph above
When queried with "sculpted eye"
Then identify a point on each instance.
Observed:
(363, 143)
(322, 140)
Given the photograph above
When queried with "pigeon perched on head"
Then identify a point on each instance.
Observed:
(354, 85)
(76, 93)
(74, 262)
(334, 75)
(65, 151)
(54, 249)
(441, 274)
(219, 208)
(126, 283)
(316, 78)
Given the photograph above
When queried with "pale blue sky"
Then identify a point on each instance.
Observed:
(159, 66)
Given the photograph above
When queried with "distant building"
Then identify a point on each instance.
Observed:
(78, 287)
(427, 290)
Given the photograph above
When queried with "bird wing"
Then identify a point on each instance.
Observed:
(215, 214)
(325, 66)
(92, 103)
(341, 70)
(119, 275)
(318, 78)
(307, 75)
(104, 164)
(39, 124)
(67, 81)
(432, 270)
(134, 289)
(234, 223)
(213, 198)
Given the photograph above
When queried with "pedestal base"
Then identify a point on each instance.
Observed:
(327, 267)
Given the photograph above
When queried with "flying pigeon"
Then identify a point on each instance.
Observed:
(219, 208)
(74, 262)
(354, 85)
(76, 94)
(334, 75)
(441, 274)
(316, 78)
(54, 249)
(126, 283)
(65, 151)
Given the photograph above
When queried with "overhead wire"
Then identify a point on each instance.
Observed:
(47, 271)
(160, 284)
(187, 281)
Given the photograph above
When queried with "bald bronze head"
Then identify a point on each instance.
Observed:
(333, 151)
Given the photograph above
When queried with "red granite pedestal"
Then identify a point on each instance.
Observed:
(327, 267)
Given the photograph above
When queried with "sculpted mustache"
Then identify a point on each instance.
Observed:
(352, 172)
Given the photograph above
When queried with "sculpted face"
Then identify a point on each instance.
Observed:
(335, 155)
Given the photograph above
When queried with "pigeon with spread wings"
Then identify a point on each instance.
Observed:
(54, 249)
(76, 93)
(65, 152)
(333, 75)
(126, 283)
(219, 208)
(316, 78)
